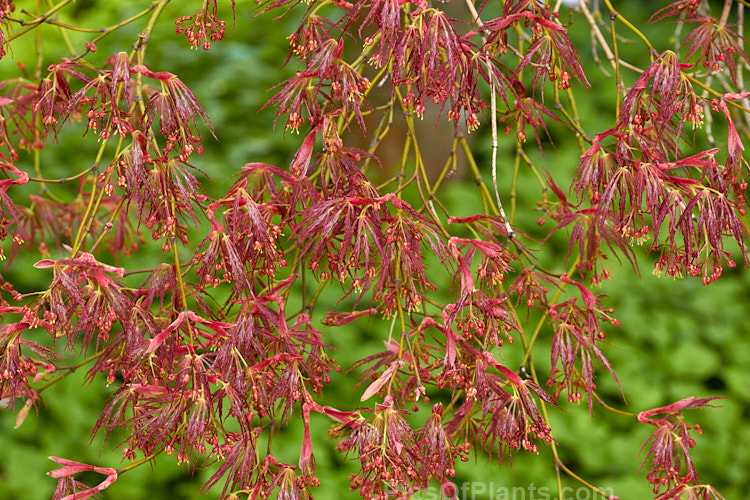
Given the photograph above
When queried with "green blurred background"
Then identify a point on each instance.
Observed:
(676, 339)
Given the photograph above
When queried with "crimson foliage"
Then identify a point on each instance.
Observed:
(216, 348)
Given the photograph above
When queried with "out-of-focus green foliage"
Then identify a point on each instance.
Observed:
(676, 339)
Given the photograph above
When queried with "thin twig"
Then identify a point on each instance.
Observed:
(493, 114)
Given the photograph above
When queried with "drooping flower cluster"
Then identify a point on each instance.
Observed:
(205, 27)
(669, 450)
